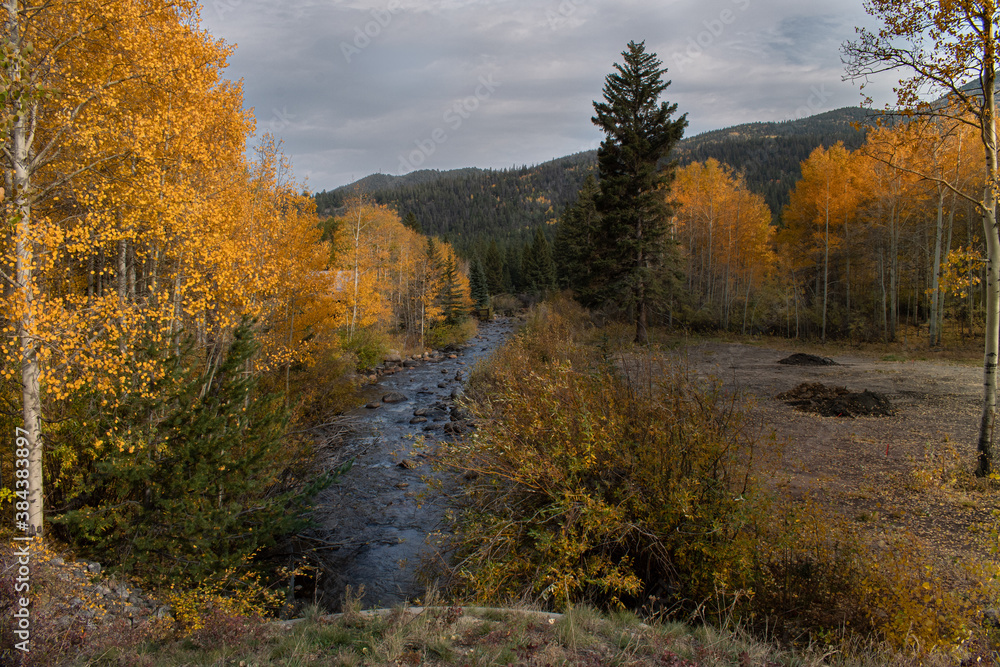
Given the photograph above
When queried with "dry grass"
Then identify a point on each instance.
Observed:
(453, 636)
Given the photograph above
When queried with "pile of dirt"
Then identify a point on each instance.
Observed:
(800, 359)
(826, 401)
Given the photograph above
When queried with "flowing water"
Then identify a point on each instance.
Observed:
(381, 523)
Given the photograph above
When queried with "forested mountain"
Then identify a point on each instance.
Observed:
(468, 206)
(769, 154)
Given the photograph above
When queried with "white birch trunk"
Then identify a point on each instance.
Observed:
(992, 333)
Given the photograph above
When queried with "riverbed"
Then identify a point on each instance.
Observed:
(382, 523)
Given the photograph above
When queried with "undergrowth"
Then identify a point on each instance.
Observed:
(620, 480)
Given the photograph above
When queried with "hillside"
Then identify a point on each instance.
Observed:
(470, 205)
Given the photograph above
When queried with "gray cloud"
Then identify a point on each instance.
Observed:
(357, 86)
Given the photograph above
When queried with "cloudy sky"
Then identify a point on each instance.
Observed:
(355, 87)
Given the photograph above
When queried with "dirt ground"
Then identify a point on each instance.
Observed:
(909, 471)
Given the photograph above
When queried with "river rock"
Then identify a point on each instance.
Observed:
(394, 397)
(373, 405)
(459, 414)
(411, 363)
(418, 420)
(420, 412)
(408, 464)
(393, 357)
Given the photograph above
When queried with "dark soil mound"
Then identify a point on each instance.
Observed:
(837, 401)
(800, 359)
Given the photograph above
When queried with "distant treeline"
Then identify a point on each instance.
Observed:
(472, 208)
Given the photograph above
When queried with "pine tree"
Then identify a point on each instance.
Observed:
(410, 222)
(210, 496)
(513, 261)
(528, 271)
(493, 267)
(635, 215)
(451, 293)
(478, 284)
(539, 267)
(576, 237)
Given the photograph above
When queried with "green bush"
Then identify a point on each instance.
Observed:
(197, 485)
(444, 335)
(369, 346)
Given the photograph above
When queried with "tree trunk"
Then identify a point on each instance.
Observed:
(826, 257)
(893, 273)
(992, 333)
(935, 324)
(31, 397)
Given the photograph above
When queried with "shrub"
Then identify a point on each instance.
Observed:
(622, 480)
(599, 484)
(506, 304)
(442, 336)
(369, 346)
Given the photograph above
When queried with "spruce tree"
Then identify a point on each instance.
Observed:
(410, 222)
(478, 284)
(493, 268)
(539, 267)
(528, 271)
(576, 238)
(451, 293)
(207, 491)
(512, 269)
(639, 133)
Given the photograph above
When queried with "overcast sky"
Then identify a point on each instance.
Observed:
(355, 87)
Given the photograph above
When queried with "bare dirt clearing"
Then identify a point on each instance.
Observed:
(889, 473)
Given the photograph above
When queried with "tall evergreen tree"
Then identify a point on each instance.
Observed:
(576, 237)
(478, 284)
(493, 267)
(539, 267)
(512, 269)
(410, 222)
(639, 133)
(451, 292)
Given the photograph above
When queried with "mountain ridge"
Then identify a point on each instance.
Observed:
(471, 205)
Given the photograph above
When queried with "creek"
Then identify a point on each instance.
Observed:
(382, 524)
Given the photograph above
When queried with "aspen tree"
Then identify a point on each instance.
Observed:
(948, 49)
